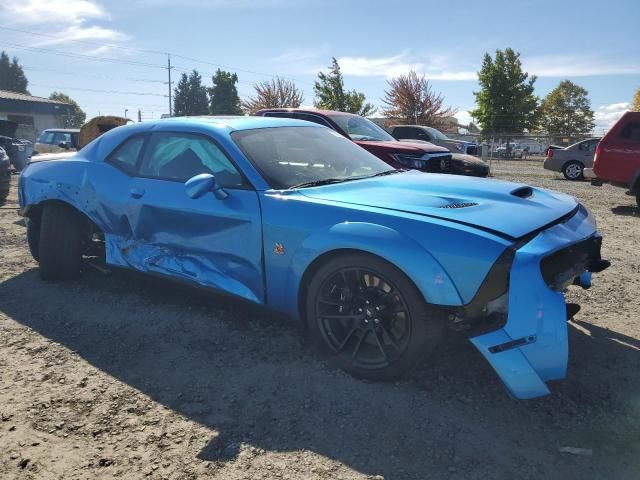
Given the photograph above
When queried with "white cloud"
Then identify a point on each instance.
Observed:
(606, 115)
(53, 11)
(576, 66)
(65, 20)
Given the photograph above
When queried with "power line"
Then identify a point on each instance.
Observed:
(100, 91)
(88, 75)
(84, 57)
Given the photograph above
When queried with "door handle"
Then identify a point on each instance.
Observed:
(136, 192)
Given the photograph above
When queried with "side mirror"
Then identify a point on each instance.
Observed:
(197, 186)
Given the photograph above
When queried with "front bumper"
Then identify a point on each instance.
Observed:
(532, 346)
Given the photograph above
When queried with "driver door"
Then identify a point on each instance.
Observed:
(215, 243)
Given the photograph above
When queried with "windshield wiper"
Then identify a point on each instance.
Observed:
(318, 183)
(388, 172)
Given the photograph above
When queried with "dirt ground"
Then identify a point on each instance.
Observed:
(121, 376)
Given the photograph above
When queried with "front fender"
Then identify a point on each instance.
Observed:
(425, 271)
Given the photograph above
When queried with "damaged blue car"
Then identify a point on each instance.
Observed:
(376, 262)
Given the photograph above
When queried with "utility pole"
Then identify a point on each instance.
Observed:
(169, 70)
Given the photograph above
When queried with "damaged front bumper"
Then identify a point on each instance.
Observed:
(531, 347)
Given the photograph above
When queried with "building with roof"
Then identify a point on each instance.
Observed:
(32, 114)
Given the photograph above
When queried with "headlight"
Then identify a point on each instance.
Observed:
(410, 161)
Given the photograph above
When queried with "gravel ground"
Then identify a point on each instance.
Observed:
(121, 376)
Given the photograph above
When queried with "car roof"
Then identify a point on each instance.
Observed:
(229, 123)
(63, 130)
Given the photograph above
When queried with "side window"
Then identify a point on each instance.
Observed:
(125, 157)
(402, 133)
(62, 137)
(631, 131)
(420, 134)
(180, 156)
(46, 138)
(312, 118)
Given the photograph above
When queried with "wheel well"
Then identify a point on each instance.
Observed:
(35, 214)
(325, 257)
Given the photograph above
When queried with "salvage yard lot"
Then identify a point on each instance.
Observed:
(122, 376)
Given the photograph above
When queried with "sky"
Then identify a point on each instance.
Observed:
(110, 55)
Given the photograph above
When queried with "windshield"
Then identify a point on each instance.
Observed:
(289, 156)
(360, 129)
(437, 134)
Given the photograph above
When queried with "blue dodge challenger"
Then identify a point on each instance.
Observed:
(376, 262)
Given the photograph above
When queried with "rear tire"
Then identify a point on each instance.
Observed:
(369, 318)
(60, 243)
(573, 170)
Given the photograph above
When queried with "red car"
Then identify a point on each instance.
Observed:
(419, 155)
(617, 157)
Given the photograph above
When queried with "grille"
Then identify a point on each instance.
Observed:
(560, 268)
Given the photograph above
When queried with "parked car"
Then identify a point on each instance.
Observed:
(432, 135)
(5, 176)
(415, 155)
(89, 132)
(17, 149)
(374, 261)
(617, 156)
(463, 164)
(57, 140)
(510, 150)
(572, 160)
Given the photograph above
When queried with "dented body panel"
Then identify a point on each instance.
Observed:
(445, 232)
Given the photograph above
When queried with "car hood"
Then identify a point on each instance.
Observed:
(459, 142)
(508, 209)
(415, 148)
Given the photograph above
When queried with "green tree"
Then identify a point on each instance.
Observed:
(12, 76)
(275, 93)
(567, 110)
(505, 102)
(330, 93)
(77, 117)
(411, 100)
(223, 95)
(635, 105)
(190, 96)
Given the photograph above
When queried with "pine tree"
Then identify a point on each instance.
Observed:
(190, 96)
(223, 96)
(330, 93)
(12, 75)
(505, 102)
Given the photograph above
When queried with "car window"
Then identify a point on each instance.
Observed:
(288, 156)
(631, 131)
(46, 137)
(125, 157)
(312, 118)
(180, 156)
(60, 137)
